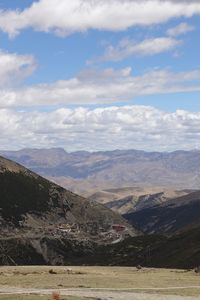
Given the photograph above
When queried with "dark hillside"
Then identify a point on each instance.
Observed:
(178, 251)
(21, 194)
(25, 195)
(42, 222)
(168, 217)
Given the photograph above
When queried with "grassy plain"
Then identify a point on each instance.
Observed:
(165, 281)
(32, 297)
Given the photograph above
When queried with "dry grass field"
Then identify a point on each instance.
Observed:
(123, 279)
(26, 297)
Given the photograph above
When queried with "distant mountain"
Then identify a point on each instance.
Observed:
(36, 214)
(86, 172)
(170, 217)
(130, 199)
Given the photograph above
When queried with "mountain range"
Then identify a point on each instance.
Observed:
(43, 223)
(87, 172)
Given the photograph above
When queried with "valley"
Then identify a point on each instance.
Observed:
(99, 150)
(51, 225)
(133, 230)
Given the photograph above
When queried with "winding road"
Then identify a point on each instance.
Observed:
(104, 294)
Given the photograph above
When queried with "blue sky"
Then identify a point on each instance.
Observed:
(100, 75)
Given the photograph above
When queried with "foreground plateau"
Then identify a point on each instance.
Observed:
(99, 283)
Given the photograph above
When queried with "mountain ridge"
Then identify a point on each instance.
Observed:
(87, 172)
(169, 217)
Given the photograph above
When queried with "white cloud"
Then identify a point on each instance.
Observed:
(102, 86)
(65, 17)
(182, 28)
(14, 67)
(139, 127)
(127, 47)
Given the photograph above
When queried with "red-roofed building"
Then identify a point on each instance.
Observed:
(118, 227)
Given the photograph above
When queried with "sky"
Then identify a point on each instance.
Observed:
(100, 75)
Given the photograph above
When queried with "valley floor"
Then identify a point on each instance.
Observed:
(104, 283)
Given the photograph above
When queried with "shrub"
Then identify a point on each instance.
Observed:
(56, 296)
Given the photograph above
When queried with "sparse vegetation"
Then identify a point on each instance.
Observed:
(21, 194)
(56, 296)
(101, 277)
(197, 270)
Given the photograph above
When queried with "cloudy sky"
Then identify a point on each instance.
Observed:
(100, 74)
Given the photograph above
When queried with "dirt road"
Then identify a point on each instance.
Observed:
(103, 294)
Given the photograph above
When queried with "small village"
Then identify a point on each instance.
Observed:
(114, 233)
